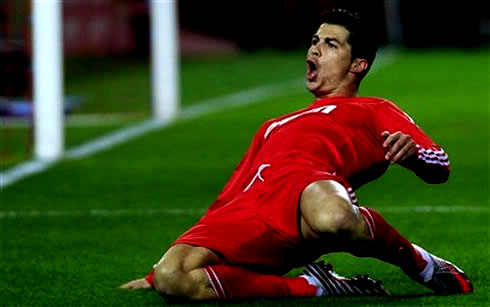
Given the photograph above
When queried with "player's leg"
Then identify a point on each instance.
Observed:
(329, 216)
(188, 272)
(197, 273)
(179, 272)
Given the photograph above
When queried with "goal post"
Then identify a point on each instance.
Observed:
(164, 59)
(48, 79)
(47, 37)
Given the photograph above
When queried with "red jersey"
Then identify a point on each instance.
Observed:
(254, 222)
(341, 136)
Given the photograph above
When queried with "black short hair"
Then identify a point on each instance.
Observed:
(363, 42)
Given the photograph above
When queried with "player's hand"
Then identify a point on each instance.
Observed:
(136, 284)
(401, 146)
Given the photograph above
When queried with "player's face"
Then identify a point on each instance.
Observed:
(328, 60)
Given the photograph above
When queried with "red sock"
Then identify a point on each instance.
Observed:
(390, 246)
(149, 278)
(236, 282)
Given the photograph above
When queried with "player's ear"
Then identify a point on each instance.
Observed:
(359, 65)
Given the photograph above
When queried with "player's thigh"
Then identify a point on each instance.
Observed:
(326, 209)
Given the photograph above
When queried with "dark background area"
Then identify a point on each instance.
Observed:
(290, 23)
(274, 23)
(444, 23)
(101, 28)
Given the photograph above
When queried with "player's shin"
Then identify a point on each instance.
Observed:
(388, 245)
(236, 282)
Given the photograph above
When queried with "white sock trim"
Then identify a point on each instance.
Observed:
(426, 274)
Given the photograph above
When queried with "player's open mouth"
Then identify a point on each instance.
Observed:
(311, 70)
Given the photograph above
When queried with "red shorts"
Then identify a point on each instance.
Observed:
(259, 228)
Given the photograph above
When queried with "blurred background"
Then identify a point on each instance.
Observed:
(107, 46)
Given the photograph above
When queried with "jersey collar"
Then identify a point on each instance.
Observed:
(330, 100)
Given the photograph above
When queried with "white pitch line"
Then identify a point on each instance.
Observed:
(98, 212)
(105, 142)
(242, 98)
(115, 138)
(80, 120)
(246, 97)
(436, 209)
(196, 211)
(23, 170)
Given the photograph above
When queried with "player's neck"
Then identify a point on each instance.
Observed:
(345, 90)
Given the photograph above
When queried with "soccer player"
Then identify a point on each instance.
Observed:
(291, 198)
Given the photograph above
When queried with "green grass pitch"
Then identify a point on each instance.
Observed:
(81, 259)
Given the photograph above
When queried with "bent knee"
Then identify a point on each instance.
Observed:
(172, 282)
(333, 217)
(327, 208)
(166, 279)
